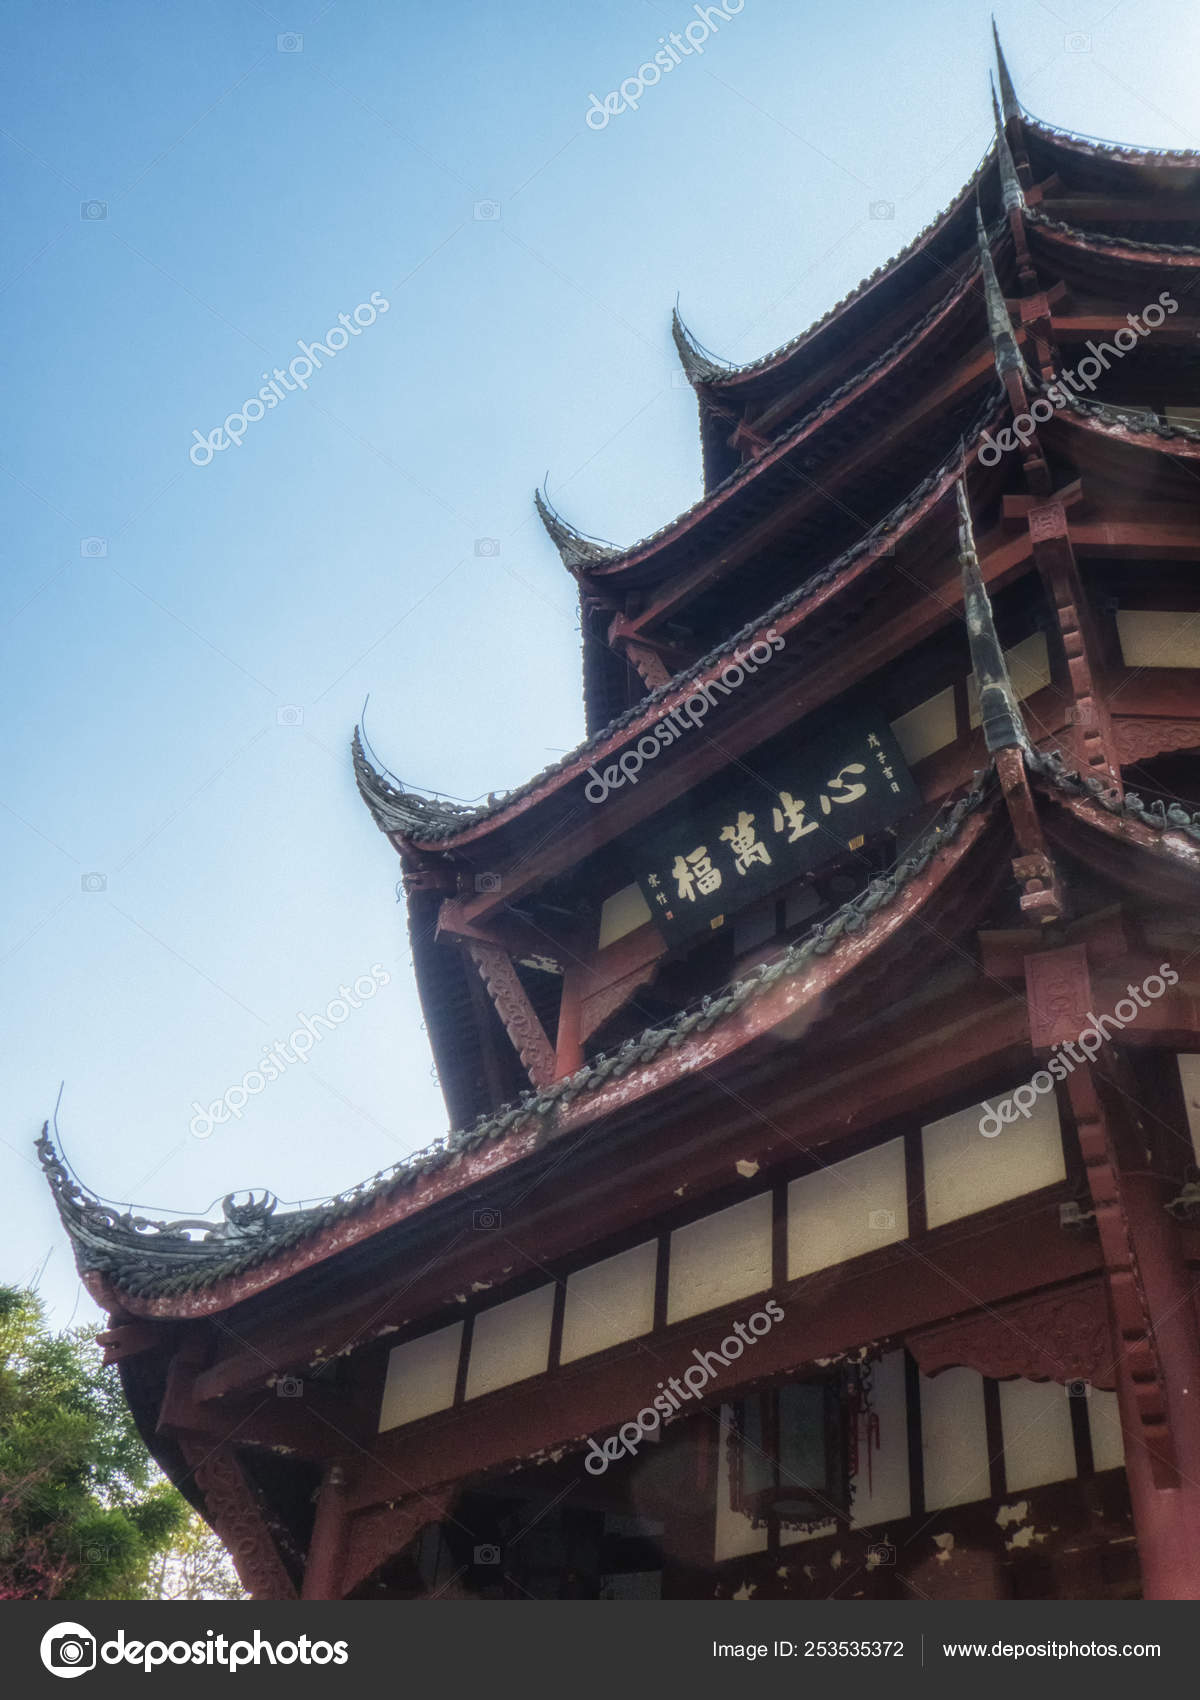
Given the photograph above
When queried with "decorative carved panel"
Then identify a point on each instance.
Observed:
(1059, 991)
(1138, 739)
(1061, 1336)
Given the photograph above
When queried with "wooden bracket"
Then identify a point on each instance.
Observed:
(232, 1506)
(1041, 894)
(517, 1014)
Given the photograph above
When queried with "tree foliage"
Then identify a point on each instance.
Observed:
(84, 1512)
(195, 1567)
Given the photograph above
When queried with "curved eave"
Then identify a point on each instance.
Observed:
(1099, 244)
(842, 576)
(401, 814)
(578, 552)
(1074, 145)
(1153, 850)
(628, 569)
(809, 342)
(1051, 147)
(1121, 428)
(796, 993)
(1142, 848)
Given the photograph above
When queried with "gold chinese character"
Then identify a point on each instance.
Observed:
(850, 789)
(746, 847)
(696, 872)
(791, 814)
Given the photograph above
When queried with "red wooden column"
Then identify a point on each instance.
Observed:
(327, 1548)
(1155, 1342)
(568, 1055)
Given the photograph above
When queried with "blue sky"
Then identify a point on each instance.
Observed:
(254, 188)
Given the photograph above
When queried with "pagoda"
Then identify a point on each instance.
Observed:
(821, 1038)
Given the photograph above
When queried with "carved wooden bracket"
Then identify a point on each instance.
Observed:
(1134, 1327)
(1061, 1336)
(376, 1536)
(515, 1010)
(1050, 534)
(232, 1507)
(1041, 895)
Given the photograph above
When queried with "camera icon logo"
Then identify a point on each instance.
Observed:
(880, 1552)
(881, 1221)
(68, 1649)
(289, 715)
(289, 1387)
(93, 882)
(487, 1555)
(486, 1220)
(487, 211)
(1079, 1390)
(289, 43)
(93, 548)
(487, 882)
(93, 209)
(487, 545)
(1077, 42)
(882, 209)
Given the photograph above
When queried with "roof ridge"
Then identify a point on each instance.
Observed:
(860, 289)
(388, 805)
(102, 1236)
(1123, 150)
(1036, 216)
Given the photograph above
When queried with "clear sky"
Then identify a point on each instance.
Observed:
(190, 193)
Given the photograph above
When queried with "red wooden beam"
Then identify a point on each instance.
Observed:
(958, 1041)
(962, 1267)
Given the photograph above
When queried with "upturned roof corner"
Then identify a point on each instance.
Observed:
(698, 365)
(577, 550)
(1009, 103)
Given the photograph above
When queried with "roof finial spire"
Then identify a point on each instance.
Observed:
(1008, 95)
(1010, 182)
(999, 710)
(1000, 327)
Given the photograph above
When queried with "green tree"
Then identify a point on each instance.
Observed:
(195, 1567)
(83, 1509)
